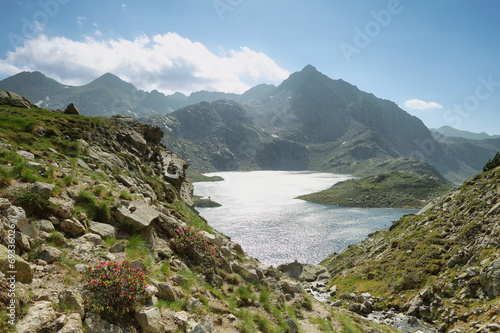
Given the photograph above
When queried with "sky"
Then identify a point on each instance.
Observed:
(438, 60)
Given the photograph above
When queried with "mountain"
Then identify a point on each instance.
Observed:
(309, 121)
(313, 122)
(441, 265)
(448, 131)
(109, 95)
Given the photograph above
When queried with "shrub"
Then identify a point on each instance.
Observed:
(197, 249)
(34, 204)
(492, 164)
(114, 290)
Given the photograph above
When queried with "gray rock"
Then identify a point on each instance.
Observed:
(22, 241)
(13, 99)
(95, 324)
(288, 286)
(39, 316)
(73, 324)
(73, 301)
(44, 225)
(293, 270)
(150, 320)
(312, 272)
(117, 247)
(24, 272)
(27, 155)
(71, 109)
(489, 278)
(17, 216)
(102, 229)
(49, 254)
(92, 238)
(138, 214)
(44, 189)
(72, 227)
(166, 291)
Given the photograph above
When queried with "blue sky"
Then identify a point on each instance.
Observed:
(438, 60)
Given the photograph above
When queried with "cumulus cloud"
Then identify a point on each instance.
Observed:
(167, 62)
(418, 104)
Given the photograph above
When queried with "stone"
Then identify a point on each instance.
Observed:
(22, 241)
(63, 209)
(288, 286)
(71, 109)
(213, 239)
(17, 216)
(117, 247)
(73, 301)
(95, 324)
(27, 155)
(44, 225)
(166, 291)
(312, 272)
(236, 248)
(13, 99)
(489, 278)
(150, 320)
(39, 316)
(24, 273)
(73, 324)
(49, 254)
(44, 189)
(72, 227)
(102, 229)
(293, 270)
(138, 214)
(125, 180)
(92, 238)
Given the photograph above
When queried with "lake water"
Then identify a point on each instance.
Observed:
(260, 213)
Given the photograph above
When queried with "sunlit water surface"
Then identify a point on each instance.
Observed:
(259, 212)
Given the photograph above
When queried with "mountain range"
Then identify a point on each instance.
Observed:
(308, 122)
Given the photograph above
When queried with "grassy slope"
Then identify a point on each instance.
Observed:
(395, 190)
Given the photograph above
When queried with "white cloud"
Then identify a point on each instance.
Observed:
(80, 20)
(165, 62)
(418, 104)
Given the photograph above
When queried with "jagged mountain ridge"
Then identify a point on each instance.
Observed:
(108, 95)
(308, 122)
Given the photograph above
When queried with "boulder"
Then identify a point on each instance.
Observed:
(95, 324)
(15, 100)
(150, 320)
(44, 189)
(73, 301)
(49, 254)
(24, 273)
(138, 214)
(72, 227)
(166, 291)
(312, 272)
(71, 109)
(117, 247)
(17, 216)
(489, 278)
(73, 324)
(293, 270)
(44, 225)
(92, 238)
(39, 317)
(102, 229)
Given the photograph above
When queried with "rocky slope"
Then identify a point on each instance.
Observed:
(441, 265)
(79, 192)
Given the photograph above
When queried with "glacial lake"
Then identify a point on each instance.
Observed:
(260, 213)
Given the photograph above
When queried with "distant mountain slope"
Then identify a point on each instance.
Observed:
(109, 95)
(448, 131)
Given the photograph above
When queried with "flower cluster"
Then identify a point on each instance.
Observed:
(198, 249)
(113, 290)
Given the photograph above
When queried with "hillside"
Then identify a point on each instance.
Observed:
(386, 190)
(82, 198)
(441, 265)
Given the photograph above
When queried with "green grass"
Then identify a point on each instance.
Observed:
(93, 208)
